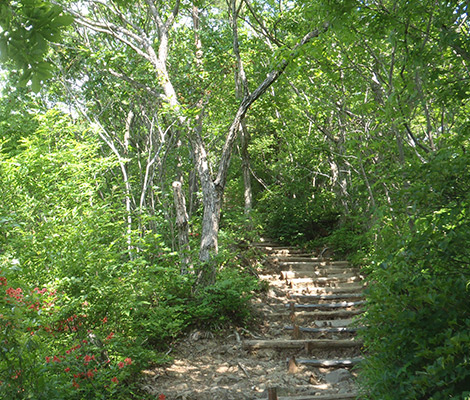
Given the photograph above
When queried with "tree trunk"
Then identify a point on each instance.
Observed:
(182, 226)
(241, 90)
(248, 193)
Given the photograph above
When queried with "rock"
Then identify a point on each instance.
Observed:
(339, 375)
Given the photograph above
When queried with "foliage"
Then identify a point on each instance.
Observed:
(80, 315)
(227, 300)
(27, 29)
(417, 311)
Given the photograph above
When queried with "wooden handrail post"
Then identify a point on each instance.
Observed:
(272, 394)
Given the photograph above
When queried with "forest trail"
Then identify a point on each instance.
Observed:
(303, 349)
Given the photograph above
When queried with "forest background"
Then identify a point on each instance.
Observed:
(144, 144)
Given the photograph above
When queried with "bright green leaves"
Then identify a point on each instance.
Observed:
(28, 27)
(418, 303)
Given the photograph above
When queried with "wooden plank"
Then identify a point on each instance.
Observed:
(313, 297)
(326, 329)
(296, 344)
(314, 263)
(317, 273)
(309, 258)
(322, 280)
(343, 304)
(347, 362)
(326, 288)
(339, 396)
(315, 314)
(323, 290)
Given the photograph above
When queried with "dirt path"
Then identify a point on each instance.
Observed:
(303, 349)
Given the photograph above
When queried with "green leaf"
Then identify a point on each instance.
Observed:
(36, 84)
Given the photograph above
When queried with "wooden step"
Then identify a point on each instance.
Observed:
(332, 363)
(327, 329)
(336, 396)
(324, 290)
(321, 271)
(317, 273)
(300, 343)
(335, 323)
(308, 258)
(343, 304)
(323, 280)
(316, 297)
(315, 263)
(341, 314)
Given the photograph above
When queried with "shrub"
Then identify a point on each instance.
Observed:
(417, 312)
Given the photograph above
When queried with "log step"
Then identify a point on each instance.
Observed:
(300, 343)
(314, 263)
(333, 363)
(336, 272)
(339, 396)
(323, 279)
(342, 304)
(321, 287)
(327, 329)
(309, 258)
(321, 314)
(316, 297)
(322, 290)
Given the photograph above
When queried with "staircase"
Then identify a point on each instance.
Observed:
(309, 316)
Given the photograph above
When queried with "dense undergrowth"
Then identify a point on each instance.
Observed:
(84, 309)
(418, 313)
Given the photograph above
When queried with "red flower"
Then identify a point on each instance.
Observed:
(89, 374)
(48, 359)
(75, 384)
(67, 369)
(128, 361)
(56, 359)
(105, 319)
(110, 336)
(115, 380)
(121, 365)
(161, 397)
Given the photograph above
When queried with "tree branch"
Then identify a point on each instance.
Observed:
(250, 99)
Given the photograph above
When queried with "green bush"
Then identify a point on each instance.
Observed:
(227, 300)
(418, 313)
(297, 219)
